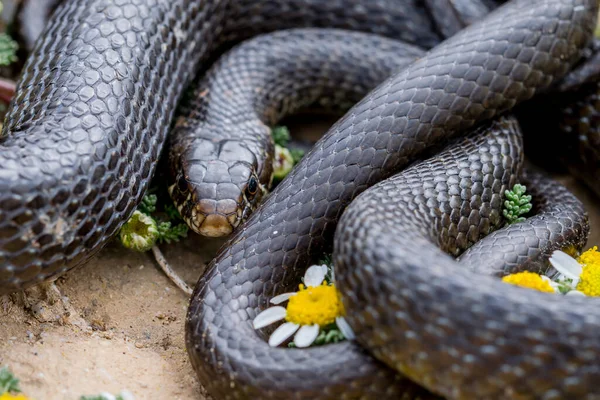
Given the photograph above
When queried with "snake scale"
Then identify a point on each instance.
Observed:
(91, 114)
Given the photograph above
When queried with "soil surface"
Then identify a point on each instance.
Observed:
(122, 326)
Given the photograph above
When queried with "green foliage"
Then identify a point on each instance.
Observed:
(8, 382)
(332, 335)
(297, 155)
(285, 158)
(168, 233)
(172, 213)
(327, 259)
(139, 233)
(143, 229)
(148, 204)
(327, 335)
(517, 203)
(8, 49)
(281, 135)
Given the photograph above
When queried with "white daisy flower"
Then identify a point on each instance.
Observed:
(581, 276)
(566, 265)
(569, 270)
(315, 306)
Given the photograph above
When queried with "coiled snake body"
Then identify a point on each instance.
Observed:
(89, 120)
(221, 147)
(94, 104)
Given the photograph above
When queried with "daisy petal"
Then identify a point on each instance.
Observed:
(268, 316)
(343, 326)
(565, 264)
(315, 275)
(280, 298)
(282, 333)
(575, 293)
(306, 335)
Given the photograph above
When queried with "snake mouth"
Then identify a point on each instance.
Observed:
(207, 216)
(213, 225)
(215, 218)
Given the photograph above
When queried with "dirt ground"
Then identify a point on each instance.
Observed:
(125, 329)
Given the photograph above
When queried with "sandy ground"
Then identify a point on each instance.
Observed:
(127, 331)
(124, 325)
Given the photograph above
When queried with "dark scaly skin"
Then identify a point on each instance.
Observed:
(452, 16)
(96, 99)
(222, 139)
(580, 129)
(222, 152)
(567, 121)
(459, 332)
(521, 247)
(149, 111)
(586, 72)
(484, 70)
(268, 373)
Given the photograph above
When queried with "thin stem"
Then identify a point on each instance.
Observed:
(164, 265)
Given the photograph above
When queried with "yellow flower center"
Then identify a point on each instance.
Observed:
(529, 280)
(315, 305)
(8, 396)
(589, 282)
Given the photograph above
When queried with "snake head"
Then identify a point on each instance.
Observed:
(215, 196)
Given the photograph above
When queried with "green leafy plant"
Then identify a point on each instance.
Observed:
(329, 334)
(297, 155)
(8, 49)
(168, 233)
(326, 259)
(285, 158)
(8, 382)
(281, 135)
(148, 204)
(172, 213)
(517, 203)
(142, 230)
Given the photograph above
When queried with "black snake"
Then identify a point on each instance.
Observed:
(91, 114)
(221, 152)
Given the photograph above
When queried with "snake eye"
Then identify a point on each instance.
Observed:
(252, 186)
(182, 184)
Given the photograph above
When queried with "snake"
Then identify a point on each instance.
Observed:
(90, 118)
(221, 150)
(456, 86)
(96, 99)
